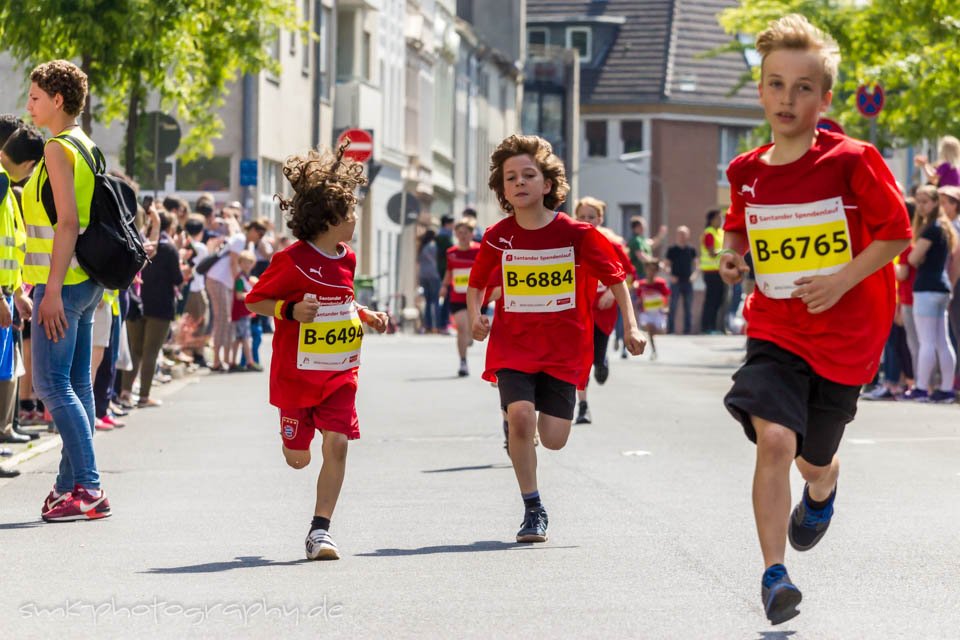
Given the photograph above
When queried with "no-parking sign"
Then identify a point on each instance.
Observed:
(870, 101)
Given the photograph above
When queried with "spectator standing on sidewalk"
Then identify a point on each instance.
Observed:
(21, 152)
(161, 277)
(947, 171)
(711, 241)
(220, 280)
(65, 297)
(682, 264)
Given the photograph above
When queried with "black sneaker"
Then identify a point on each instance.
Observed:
(807, 525)
(506, 437)
(583, 414)
(779, 595)
(534, 527)
(601, 372)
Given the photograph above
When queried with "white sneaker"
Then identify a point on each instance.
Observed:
(320, 546)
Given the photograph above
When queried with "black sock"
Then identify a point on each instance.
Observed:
(532, 500)
(320, 523)
(28, 405)
(813, 504)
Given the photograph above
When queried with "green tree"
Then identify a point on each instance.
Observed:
(909, 47)
(186, 52)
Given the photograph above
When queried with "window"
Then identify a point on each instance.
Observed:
(731, 139)
(538, 37)
(596, 138)
(345, 42)
(579, 38)
(271, 182)
(307, 42)
(365, 57)
(631, 133)
(323, 66)
(204, 174)
(273, 48)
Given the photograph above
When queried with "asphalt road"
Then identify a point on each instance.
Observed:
(651, 529)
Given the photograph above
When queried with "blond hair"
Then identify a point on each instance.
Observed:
(590, 201)
(949, 151)
(247, 256)
(794, 32)
(936, 216)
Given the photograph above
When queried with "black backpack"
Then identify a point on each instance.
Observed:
(110, 250)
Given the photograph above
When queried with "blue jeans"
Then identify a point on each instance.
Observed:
(680, 290)
(431, 303)
(62, 379)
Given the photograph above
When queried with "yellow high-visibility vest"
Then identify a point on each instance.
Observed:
(36, 266)
(13, 237)
(708, 262)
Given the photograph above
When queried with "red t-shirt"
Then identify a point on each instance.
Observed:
(844, 343)
(573, 255)
(606, 319)
(905, 287)
(655, 294)
(459, 263)
(294, 272)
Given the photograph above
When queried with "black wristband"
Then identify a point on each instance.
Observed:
(288, 310)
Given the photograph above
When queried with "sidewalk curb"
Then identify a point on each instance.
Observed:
(55, 441)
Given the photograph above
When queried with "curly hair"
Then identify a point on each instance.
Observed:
(323, 184)
(65, 78)
(542, 153)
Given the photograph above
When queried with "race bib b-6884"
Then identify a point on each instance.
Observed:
(539, 281)
(797, 240)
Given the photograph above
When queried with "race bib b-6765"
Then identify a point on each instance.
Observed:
(539, 281)
(797, 240)
(461, 279)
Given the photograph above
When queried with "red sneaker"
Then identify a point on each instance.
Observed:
(81, 505)
(53, 499)
(112, 422)
(100, 425)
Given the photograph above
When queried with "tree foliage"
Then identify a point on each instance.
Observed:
(186, 52)
(909, 47)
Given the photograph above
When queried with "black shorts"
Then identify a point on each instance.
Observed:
(780, 387)
(548, 394)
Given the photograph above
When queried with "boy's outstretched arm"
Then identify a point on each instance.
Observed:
(820, 293)
(732, 265)
(479, 325)
(633, 340)
(376, 320)
(303, 311)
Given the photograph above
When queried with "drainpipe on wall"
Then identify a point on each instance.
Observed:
(248, 144)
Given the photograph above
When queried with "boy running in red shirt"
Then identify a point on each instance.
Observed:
(823, 218)
(308, 289)
(541, 340)
(653, 296)
(460, 259)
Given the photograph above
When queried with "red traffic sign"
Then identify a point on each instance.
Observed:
(830, 125)
(870, 101)
(361, 144)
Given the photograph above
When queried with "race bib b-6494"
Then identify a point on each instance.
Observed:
(332, 341)
(539, 281)
(797, 240)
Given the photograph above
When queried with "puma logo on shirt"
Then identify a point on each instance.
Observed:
(509, 242)
(751, 188)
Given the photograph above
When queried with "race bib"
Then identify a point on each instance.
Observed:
(797, 240)
(461, 280)
(332, 341)
(539, 281)
(652, 301)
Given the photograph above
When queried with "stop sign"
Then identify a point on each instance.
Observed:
(361, 144)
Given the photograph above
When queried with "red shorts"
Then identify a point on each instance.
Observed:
(336, 412)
